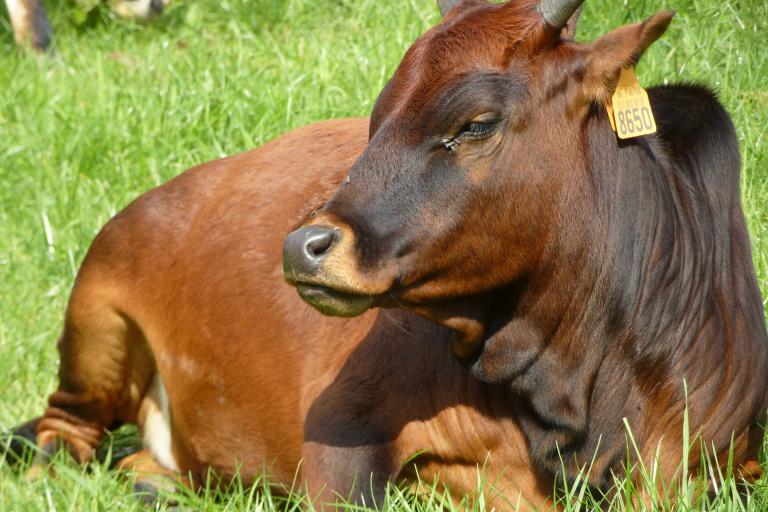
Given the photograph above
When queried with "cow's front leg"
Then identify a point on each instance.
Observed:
(334, 475)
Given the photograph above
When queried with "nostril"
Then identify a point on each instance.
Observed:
(317, 247)
(320, 241)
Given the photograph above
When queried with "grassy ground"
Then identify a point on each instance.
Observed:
(121, 108)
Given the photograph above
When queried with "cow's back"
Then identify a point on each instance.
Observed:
(196, 264)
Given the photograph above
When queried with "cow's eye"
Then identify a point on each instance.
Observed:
(479, 129)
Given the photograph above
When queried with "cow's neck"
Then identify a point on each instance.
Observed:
(613, 322)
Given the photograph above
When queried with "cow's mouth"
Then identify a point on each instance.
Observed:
(333, 302)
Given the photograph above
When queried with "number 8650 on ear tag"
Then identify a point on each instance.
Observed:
(631, 107)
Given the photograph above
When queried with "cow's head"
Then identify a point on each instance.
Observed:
(475, 147)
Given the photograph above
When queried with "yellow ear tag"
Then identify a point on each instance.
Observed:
(632, 114)
(609, 109)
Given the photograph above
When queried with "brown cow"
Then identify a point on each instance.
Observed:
(576, 309)
(588, 276)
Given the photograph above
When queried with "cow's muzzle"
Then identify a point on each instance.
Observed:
(305, 252)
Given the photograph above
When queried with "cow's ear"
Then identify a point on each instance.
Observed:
(621, 47)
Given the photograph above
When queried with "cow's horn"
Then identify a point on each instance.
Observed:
(557, 12)
(446, 5)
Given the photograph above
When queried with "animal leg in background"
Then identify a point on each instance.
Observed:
(30, 23)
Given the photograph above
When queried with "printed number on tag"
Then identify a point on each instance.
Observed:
(632, 112)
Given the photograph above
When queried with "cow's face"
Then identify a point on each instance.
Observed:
(474, 146)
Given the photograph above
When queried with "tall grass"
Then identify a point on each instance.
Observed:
(121, 107)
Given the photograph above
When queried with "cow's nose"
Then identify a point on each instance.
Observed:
(305, 248)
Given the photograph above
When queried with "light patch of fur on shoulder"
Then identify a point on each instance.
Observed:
(156, 430)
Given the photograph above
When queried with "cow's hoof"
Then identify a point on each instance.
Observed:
(41, 464)
(152, 491)
(147, 492)
(18, 444)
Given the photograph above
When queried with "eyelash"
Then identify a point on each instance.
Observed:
(480, 129)
(474, 130)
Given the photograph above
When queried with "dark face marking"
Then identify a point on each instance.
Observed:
(438, 174)
(407, 193)
(476, 94)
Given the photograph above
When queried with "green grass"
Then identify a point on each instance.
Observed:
(121, 108)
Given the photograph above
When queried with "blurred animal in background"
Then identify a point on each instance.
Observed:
(30, 23)
(138, 9)
(32, 28)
